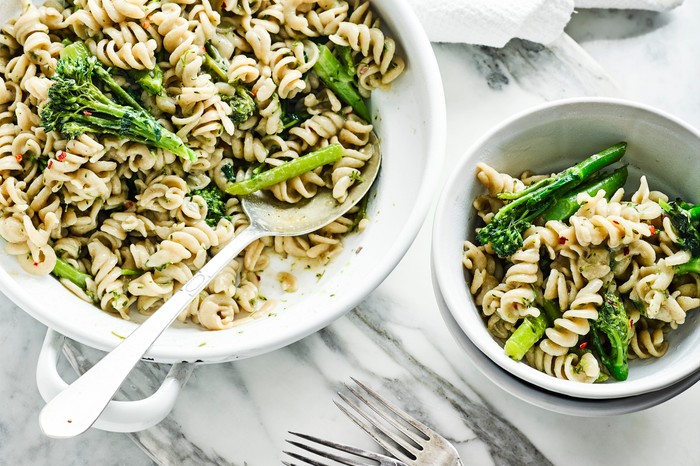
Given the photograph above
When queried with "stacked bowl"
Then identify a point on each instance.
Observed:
(545, 140)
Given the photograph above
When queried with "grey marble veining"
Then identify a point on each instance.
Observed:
(395, 341)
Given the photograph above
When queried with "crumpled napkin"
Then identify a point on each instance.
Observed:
(495, 22)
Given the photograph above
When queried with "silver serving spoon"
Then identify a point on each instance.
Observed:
(76, 408)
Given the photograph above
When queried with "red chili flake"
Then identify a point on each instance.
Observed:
(36, 264)
(204, 50)
(616, 222)
(61, 156)
(18, 157)
(652, 230)
(583, 345)
(49, 165)
(562, 240)
(128, 204)
(147, 22)
(364, 69)
(87, 113)
(254, 92)
(631, 323)
(626, 251)
(223, 5)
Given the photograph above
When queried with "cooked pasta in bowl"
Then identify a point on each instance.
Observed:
(567, 248)
(131, 129)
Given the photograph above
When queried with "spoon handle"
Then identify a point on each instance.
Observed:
(76, 408)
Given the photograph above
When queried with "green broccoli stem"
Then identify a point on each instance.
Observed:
(296, 167)
(692, 266)
(150, 80)
(531, 330)
(131, 272)
(79, 52)
(340, 81)
(145, 131)
(565, 207)
(63, 269)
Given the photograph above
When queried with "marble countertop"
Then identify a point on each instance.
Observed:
(239, 413)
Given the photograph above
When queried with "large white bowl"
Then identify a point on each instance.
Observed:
(549, 138)
(410, 120)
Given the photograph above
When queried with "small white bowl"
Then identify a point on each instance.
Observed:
(550, 138)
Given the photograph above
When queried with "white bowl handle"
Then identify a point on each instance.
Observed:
(119, 416)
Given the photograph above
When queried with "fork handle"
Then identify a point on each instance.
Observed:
(75, 409)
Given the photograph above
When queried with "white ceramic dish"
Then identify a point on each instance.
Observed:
(553, 401)
(410, 120)
(552, 137)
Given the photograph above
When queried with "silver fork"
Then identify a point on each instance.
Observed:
(377, 459)
(398, 433)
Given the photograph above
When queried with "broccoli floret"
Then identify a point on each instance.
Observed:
(685, 219)
(149, 80)
(229, 171)
(611, 333)
(505, 230)
(242, 104)
(78, 105)
(216, 203)
(290, 116)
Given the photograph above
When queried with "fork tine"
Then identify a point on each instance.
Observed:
(388, 446)
(306, 460)
(425, 430)
(418, 440)
(339, 446)
(327, 454)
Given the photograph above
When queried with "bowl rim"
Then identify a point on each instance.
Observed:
(471, 323)
(423, 62)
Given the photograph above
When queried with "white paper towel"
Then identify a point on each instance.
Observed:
(495, 22)
(655, 5)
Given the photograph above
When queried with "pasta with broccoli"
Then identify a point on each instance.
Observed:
(128, 127)
(575, 280)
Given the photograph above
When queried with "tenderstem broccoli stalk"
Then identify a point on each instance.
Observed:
(296, 167)
(692, 266)
(504, 231)
(531, 330)
(340, 79)
(568, 205)
(77, 105)
(63, 269)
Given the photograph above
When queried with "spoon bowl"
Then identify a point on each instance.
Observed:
(76, 408)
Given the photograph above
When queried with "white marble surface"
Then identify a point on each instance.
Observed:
(239, 413)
